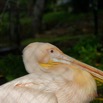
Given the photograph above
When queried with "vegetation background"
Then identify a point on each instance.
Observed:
(75, 26)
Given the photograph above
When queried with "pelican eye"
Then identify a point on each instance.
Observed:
(51, 51)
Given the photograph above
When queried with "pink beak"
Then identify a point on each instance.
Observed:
(98, 74)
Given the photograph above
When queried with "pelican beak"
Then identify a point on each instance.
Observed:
(96, 73)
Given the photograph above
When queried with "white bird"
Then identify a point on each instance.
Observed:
(54, 78)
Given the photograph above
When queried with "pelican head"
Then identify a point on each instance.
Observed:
(39, 55)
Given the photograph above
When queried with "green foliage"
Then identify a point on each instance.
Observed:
(55, 17)
(61, 16)
(89, 50)
(11, 66)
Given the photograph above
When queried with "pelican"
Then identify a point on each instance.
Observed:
(53, 77)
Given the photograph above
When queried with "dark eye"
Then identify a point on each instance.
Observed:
(51, 51)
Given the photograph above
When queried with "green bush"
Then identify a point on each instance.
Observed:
(11, 66)
(89, 50)
(53, 18)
